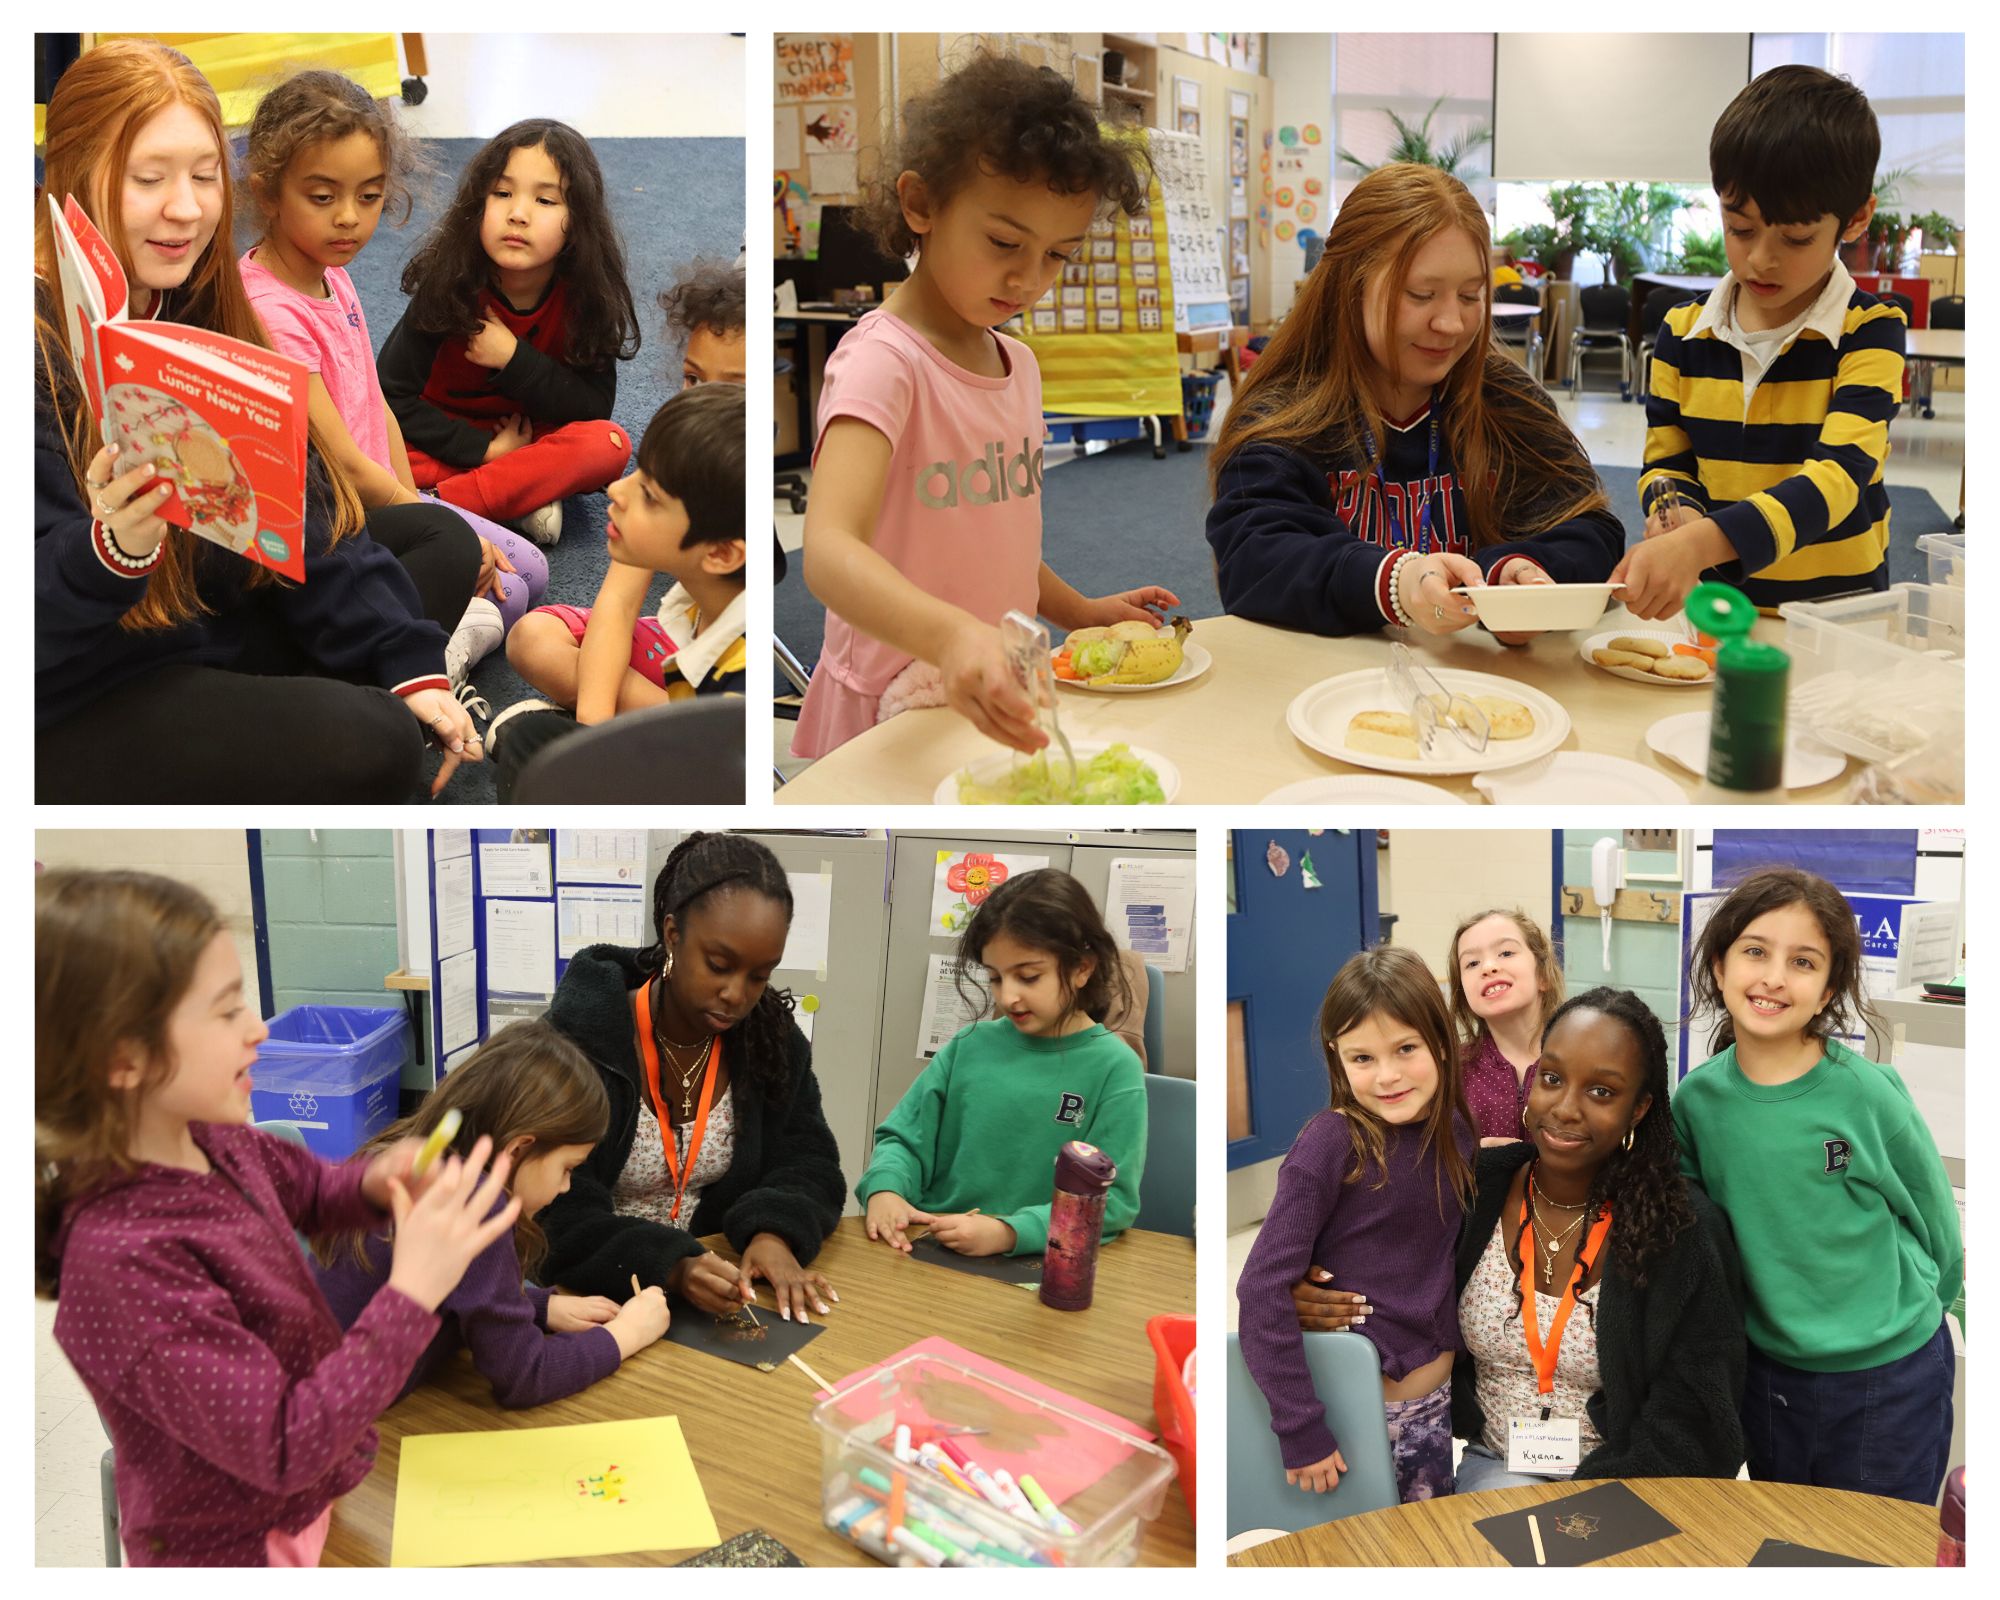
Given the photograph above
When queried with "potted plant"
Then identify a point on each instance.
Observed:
(1859, 255)
(1569, 209)
(1939, 231)
(1536, 243)
(1887, 234)
(1414, 144)
(1630, 223)
(1703, 254)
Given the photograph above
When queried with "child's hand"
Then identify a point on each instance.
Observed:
(1320, 1476)
(1659, 572)
(116, 503)
(771, 1259)
(513, 433)
(572, 1313)
(1324, 1310)
(493, 345)
(395, 1163)
(438, 1237)
(971, 1234)
(1424, 584)
(1147, 604)
(450, 727)
(641, 1321)
(889, 1217)
(981, 687)
(492, 562)
(710, 1282)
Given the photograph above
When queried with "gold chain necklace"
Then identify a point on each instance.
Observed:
(1550, 1241)
(691, 1075)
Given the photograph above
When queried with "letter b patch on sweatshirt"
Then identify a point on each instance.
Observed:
(1070, 1110)
(1837, 1153)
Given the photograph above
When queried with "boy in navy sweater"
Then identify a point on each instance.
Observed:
(1771, 395)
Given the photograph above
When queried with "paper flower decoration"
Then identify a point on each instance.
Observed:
(976, 877)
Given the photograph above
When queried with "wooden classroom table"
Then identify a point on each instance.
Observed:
(1722, 1522)
(750, 1432)
(1226, 730)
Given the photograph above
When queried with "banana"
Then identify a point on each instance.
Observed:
(1152, 659)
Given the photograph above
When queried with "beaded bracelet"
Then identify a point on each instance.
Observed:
(115, 556)
(1396, 589)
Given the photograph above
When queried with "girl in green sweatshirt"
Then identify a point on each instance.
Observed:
(970, 1150)
(1840, 1205)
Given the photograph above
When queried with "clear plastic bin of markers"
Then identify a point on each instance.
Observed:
(990, 1476)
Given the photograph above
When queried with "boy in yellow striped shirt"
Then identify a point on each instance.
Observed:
(1771, 395)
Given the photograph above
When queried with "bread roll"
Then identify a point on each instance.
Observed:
(1623, 658)
(1689, 669)
(1633, 644)
(1505, 719)
(1383, 733)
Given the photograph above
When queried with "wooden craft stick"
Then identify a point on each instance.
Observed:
(1535, 1533)
(818, 1381)
(636, 1290)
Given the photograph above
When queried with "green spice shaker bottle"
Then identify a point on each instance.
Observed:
(1746, 730)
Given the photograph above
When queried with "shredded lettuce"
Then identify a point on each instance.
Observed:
(1095, 657)
(1115, 777)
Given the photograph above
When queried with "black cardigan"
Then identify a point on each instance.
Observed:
(1671, 1355)
(784, 1179)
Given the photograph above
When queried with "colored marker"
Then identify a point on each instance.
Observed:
(980, 1477)
(934, 1458)
(903, 1540)
(903, 1451)
(1019, 1502)
(437, 1143)
(1047, 1507)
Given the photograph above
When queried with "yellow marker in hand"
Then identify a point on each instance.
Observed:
(437, 1143)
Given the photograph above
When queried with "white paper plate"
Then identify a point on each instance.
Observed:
(1361, 789)
(1573, 777)
(1684, 739)
(1602, 641)
(1083, 749)
(1539, 607)
(1319, 715)
(1194, 662)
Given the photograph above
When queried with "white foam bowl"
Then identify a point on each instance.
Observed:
(1539, 607)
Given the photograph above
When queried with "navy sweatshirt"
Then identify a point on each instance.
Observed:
(1301, 537)
(356, 617)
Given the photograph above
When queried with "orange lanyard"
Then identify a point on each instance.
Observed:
(1544, 1357)
(651, 1056)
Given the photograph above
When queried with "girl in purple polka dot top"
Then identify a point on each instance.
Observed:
(545, 1107)
(238, 1409)
(1505, 984)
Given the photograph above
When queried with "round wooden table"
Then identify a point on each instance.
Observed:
(1226, 730)
(1722, 1523)
(750, 1433)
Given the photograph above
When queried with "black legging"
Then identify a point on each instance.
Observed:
(267, 728)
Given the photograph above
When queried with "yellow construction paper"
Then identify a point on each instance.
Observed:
(530, 1494)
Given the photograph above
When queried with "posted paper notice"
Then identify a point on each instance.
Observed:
(515, 869)
(1150, 908)
(606, 915)
(520, 947)
(946, 1009)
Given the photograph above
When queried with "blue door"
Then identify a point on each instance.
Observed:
(1286, 941)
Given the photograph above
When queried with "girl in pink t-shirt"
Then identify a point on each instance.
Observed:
(324, 160)
(925, 523)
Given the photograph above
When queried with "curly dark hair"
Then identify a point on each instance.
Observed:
(315, 107)
(999, 116)
(444, 278)
(703, 869)
(1641, 1187)
(1847, 1011)
(710, 294)
(1048, 910)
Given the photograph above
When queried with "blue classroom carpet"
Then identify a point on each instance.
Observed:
(673, 200)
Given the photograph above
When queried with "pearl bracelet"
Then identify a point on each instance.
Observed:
(1396, 589)
(115, 556)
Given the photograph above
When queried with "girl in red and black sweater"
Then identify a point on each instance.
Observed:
(503, 370)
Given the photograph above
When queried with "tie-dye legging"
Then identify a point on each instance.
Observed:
(1420, 1441)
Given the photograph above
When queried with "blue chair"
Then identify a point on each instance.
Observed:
(1156, 1018)
(1166, 1187)
(1347, 1376)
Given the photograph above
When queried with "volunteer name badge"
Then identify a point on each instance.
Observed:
(1551, 1448)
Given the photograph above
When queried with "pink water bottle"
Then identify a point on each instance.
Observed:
(1084, 1175)
(1951, 1521)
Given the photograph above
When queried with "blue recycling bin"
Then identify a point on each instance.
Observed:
(332, 1072)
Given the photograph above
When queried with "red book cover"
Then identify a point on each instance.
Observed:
(228, 417)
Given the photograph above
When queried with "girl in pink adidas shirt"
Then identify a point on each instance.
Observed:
(925, 524)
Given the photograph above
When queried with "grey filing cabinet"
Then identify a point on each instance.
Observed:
(1086, 856)
(846, 1025)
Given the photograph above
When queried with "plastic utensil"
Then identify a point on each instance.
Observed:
(1027, 645)
(1421, 694)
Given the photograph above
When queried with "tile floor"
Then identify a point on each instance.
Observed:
(69, 1443)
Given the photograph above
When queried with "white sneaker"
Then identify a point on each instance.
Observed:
(478, 631)
(519, 708)
(543, 526)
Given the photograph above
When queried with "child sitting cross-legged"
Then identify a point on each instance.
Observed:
(680, 512)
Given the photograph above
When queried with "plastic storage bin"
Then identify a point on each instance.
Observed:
(1173, 1340)
(1878, 675)
(1946, 554)
(332, 1072)
(1109, 1484)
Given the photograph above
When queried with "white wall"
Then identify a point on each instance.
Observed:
(1301, 70)
(605, 85)
(1439, 875)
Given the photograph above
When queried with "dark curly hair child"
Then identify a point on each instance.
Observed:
(503, 369)
(997, 182)
(705, 307)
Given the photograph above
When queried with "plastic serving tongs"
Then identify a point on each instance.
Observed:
(1433, 707)
(1027, 644)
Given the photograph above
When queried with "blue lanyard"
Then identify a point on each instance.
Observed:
(1396, 542)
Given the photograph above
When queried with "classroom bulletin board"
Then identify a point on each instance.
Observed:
(815, 135)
